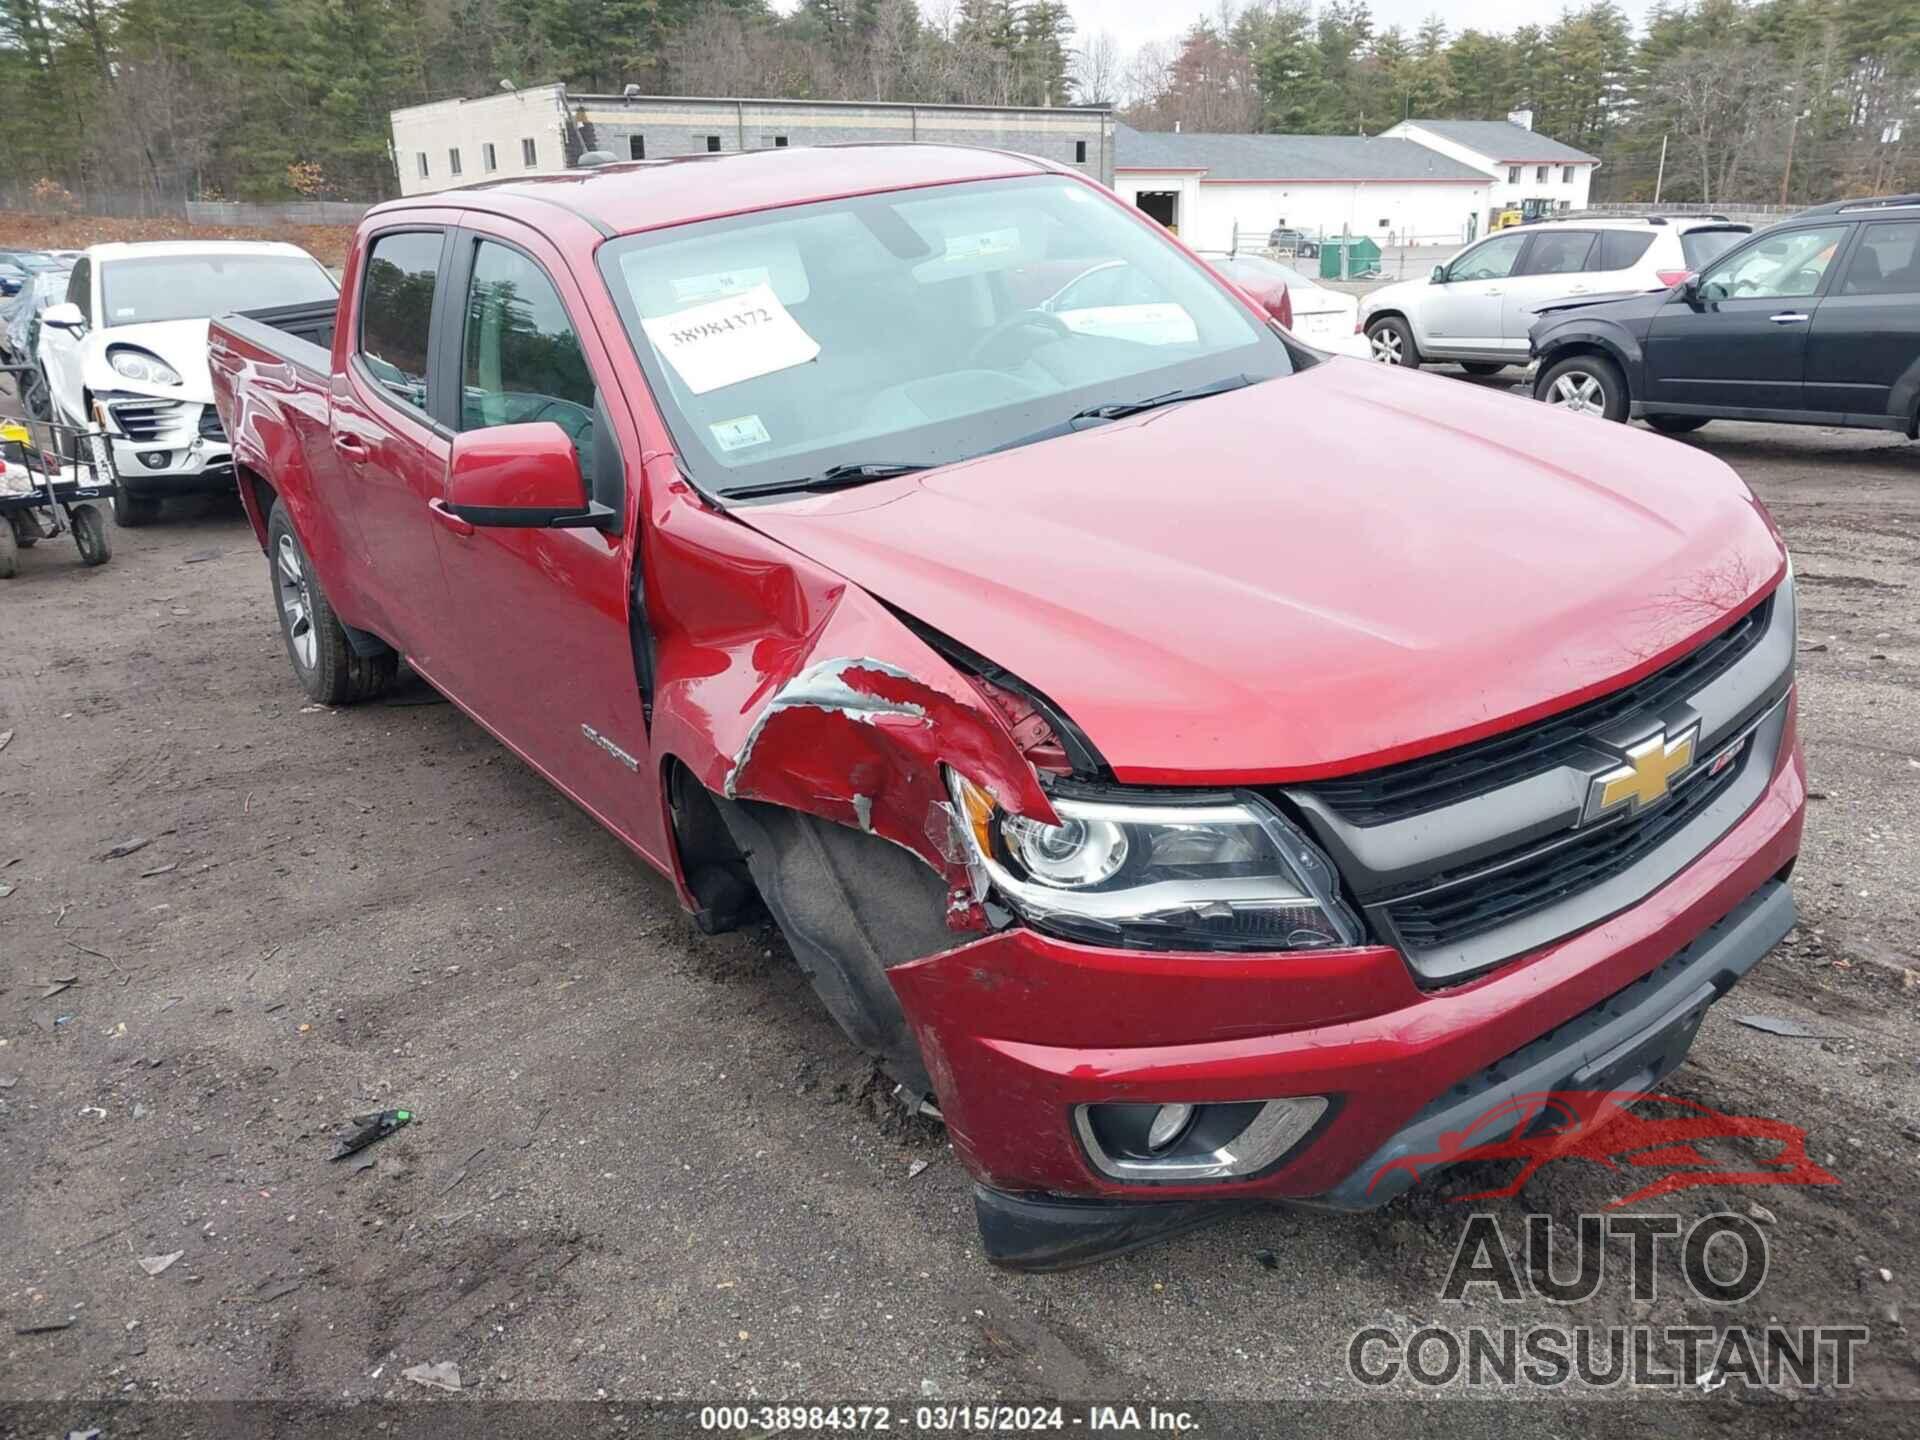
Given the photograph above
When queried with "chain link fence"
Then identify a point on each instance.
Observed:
(44, 198)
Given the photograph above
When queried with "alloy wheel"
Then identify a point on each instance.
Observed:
(296, 603)
(1579, 392)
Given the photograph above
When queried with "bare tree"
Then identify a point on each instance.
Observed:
(1147, 76)
(1097, 70)
(1727, 105)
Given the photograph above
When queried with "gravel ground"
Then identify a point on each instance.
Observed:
(645, 1163)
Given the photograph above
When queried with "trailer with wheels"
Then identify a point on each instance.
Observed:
(50, 476)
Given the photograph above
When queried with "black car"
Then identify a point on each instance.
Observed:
(1814, 321)
(1293, 240)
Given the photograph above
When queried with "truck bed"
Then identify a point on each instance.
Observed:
(300, 335)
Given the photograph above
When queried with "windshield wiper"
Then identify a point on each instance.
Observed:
(834, 477)
(1120, 410)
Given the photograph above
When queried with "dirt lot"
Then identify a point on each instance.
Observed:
(23, 231)
(644, 1163)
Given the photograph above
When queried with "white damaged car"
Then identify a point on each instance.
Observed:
(128, 349)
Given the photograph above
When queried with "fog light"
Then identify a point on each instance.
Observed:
(1181, 1143)
(156, 459)
(1167, 1125)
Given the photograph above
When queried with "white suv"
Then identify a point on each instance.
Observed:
(1477, 308)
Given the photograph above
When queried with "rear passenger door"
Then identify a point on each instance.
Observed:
(1863, 348)
(1554, 268)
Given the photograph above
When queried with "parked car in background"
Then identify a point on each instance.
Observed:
(1293, 242)
(128, 348)
(17, 265)
(20, 335)
(1477, 308)
(1176, 756)
(1318, 315)
(1814, 321)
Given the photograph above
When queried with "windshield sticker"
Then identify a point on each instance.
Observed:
(1161, 324)
(739, 433)
(978, 247)
(692, 289)
(727, 341)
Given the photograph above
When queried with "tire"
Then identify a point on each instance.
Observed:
(90, 534)
(1391, 340)
(1584, 385)
(326, 665)
(132, 510)
(37, 398)
(1677, 424)
(1482, 367)
(26, 529)
(9, 553)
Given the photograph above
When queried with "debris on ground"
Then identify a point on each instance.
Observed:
(42, 1327)
(154, 1264)
(127, 847)
(200, 557)
(56, 983)
(5, 889)
(1268, 1260)
(1780, 1025)
(7, 1082)
(915, 1168)
(162, 870)
(6, 738)
(1757, 1211)
(443, 1375)
(375, 1126)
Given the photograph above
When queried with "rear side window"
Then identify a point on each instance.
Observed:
(1885, 262)
(396, 312)
(521, 357)
(1558, 252)
(1622, 249)
(1702, 247)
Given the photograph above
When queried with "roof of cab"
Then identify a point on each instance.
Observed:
(136, 249)
(638, 195)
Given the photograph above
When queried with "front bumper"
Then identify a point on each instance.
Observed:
(1018, 1029)
(164, 446)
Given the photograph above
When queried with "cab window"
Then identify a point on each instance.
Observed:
(1490, 261)
(521, 357)
(396, 313)
(1777, 267)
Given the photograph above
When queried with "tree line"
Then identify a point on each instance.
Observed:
(275, 99)
(1706, 104)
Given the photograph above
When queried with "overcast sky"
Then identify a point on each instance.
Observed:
(1136, 21)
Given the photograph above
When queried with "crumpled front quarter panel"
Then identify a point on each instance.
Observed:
(779, 681)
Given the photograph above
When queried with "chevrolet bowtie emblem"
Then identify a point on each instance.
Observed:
(1651, 768)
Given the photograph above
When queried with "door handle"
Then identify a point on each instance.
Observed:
(447, 518)
(351, 448)
(1788, 317)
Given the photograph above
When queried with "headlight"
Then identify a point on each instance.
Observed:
(141, 366)
(1228, 874)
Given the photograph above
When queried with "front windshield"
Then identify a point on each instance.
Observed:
(917, 327)
(193, 287)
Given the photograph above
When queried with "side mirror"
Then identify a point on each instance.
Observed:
(525, 476)
(1439, 276)
(65, 316)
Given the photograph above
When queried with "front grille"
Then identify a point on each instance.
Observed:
(147, 420)
(1417, 786)
(1459, 911)
(210, 426)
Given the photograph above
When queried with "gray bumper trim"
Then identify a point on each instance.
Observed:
(1627, 1043)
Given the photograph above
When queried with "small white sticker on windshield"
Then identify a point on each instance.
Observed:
(690, 289)
(988, 242)
(726, 341)
(739, 433)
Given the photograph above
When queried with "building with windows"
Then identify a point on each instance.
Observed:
(1528, 171)
(545, 128)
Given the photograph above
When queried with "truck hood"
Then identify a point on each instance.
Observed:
(1316, 575)
(181, 343)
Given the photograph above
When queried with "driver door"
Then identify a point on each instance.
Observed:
(1740, 341)
(1464, 312)
(544, 654)
(62, 352)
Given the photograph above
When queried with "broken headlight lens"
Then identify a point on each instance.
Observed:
(1226, 874)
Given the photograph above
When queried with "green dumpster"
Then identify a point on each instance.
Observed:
(1361, 255)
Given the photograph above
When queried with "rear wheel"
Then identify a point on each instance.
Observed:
(90, 534)
(26, 529)
(1585, 385)
(1391, 341)
(130, 509)
(9, 553)
(1677, 424)
(328, 669)
(1482, 367)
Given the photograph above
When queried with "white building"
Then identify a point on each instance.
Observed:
(1215, 189)
(455, 142)
(1523, 166)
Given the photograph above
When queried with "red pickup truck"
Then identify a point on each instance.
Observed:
(1202, 769)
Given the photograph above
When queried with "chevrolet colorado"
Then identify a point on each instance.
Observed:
(1202, 768)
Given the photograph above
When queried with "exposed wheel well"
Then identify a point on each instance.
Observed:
(260, 490)
(1574, 351)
